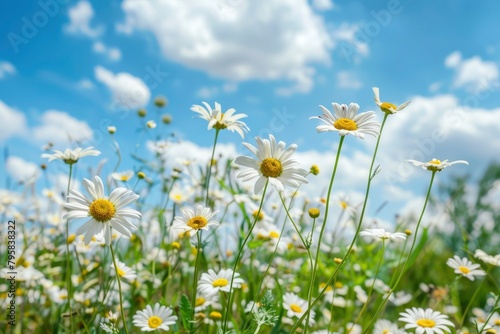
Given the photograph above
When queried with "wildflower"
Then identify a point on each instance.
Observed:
(465, 267)
(151, 124)
(490, 259)
(219, 120)
(166, 119)
(160, 102)
(141, 113)
(314, 212)
(211, 283)
(124, 271)
(193, 221)
(71, 156)
(296, 306)
(345, 121)
(122, 176)
(314, 170)
(388, 107)
(383, 326)
(112, 129)
(436, 165)
(104, 212)
(425, 321)
(157, 318)
(381, 234)
(273, 163)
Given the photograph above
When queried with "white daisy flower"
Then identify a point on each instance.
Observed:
(383, 326)
(425, 321)
(219, 120)
(273, 163)
(104, 212)
(151, 124)
(211, 283)
(388, 107)
(436, 165)
(122, 176)
(345, 121)
(465, 267)
(193, 221)
(157, 318)
(379, 233)
(296, 306)
(124, 271)
(490, 259)
(71, 156)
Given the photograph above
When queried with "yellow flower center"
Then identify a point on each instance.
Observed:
(102, 210)
(154, 321)
(343, 205)
(215, 315)
(463, 269)
(295, 308)
(388, 107)
(435, 162)
(271, 167)
(197, 222)
(345, 124)
(338, 285)
(199, 301)
(497, 322)
(220, 282)
(274, 234)
(386, 331)
(176, 245)
(426, 323)
(120, 272)
(124, 178)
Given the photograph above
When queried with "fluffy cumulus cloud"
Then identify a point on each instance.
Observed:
(474, 74)
(128, 92)
(80, 16)
(59, 127)
(237, 40)
(110, 52)
(6, 68)
(13, 122)
(21, 170)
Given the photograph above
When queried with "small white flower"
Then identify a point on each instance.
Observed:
(379, 233)
(296, 306)
(151, 124)
(211, 283)
(219, 120)
(104, 212)
(193, 221)
(425, 321)
(273, 162)
(465, 267)
(124, 271)
(157, 318)
(71, 156)
(436, 165)
(122, 176)
(490, 259)
(346, 121)
(383, 326)
(388, 107)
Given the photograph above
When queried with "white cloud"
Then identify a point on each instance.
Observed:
(85, 84)
(346, 40)
(128, 92)
(6, 68)
(435, 86)
(248, 40)
(59, 127)
(22, 170)
(80, 16)
(210, 91)
(346, 79)
(323, 4)
(110, 52)
(13, 122)
(474, 74)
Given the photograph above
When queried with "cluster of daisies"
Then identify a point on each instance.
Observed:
(209, 253)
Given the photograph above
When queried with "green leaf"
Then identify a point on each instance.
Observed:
(186, 311)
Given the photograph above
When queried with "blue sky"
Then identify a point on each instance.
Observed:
(78, 66)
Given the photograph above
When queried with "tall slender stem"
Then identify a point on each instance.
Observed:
(119, 287)
(209, 171)
(196, 270)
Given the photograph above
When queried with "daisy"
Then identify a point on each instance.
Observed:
(124, 271)
(151, 319)
(436, 165)
(273, 164)
(379, 233)
(219, 120)
(104, 212)
(425, 321)
(296, 306)
(193, 221)
(211, 283)
(465, 267)
(490, 259)
(383, 326)
(71, 156)
(345, 121)
(122, 176)
(388, 107)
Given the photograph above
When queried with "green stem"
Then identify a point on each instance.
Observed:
(464, 316)
(209, 171)
(238, 257)
(409, 254)
(196, 270)
(68, 257)
(119, 287)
